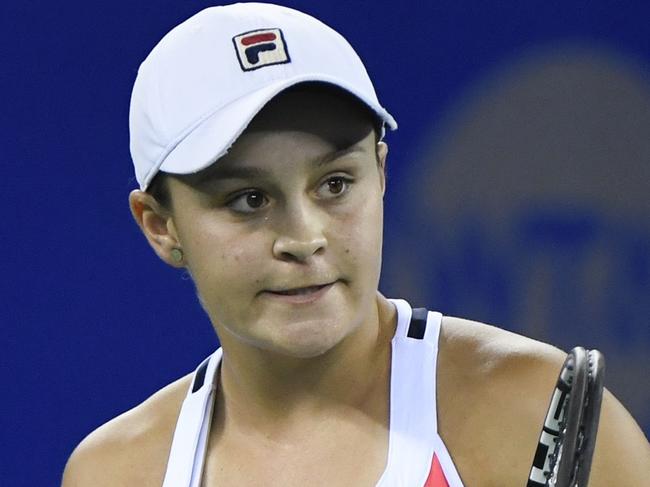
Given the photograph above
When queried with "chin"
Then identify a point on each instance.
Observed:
(309, 342)
(305, 352)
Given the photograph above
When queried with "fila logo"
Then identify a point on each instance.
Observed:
(259, 48)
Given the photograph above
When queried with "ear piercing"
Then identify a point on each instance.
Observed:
(177, 255)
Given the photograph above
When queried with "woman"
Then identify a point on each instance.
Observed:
(257, 142)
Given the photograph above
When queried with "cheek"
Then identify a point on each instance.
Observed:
(217, 253)
(362, 232)
(226, 268)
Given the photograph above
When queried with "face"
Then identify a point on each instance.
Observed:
(283, 235)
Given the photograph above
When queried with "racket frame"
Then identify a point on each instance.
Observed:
(567, 441)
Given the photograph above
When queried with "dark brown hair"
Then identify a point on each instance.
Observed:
(159, 189)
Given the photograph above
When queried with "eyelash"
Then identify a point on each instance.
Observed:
(347, 182)
(242, 196)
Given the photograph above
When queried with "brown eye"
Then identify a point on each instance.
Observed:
(336, 185)
(255, 199)
(248, 202)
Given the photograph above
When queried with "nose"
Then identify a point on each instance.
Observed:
(301, 235)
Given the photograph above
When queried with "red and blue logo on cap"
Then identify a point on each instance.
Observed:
(259, 48)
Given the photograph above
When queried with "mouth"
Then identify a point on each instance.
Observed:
(306, 294)
(302, 291)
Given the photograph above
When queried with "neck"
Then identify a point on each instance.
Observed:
(261, 391)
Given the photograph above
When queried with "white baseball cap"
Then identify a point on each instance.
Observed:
(205, 81)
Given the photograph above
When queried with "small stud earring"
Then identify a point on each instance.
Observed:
(177, 255)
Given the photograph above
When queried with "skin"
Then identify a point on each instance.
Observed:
(304, 385)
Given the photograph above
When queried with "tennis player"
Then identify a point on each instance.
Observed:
(257, 140)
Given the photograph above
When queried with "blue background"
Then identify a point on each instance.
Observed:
(93, 323)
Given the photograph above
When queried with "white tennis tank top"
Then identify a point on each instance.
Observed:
(417, 456)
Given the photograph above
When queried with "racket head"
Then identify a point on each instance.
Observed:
(566, 445)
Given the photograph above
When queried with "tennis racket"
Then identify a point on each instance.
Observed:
(566, 444)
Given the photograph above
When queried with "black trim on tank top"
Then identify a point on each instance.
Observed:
(418, 324)
(199, 378)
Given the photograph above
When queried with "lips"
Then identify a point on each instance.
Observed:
(300, 295)
(301, 291)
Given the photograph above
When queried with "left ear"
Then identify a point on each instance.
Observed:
(382, 153)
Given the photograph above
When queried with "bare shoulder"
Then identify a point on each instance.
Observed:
(494, 365)
(132, 449)
(494, 388)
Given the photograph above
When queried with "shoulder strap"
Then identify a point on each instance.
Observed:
(413, 427)
(187, 453)
(416, 453)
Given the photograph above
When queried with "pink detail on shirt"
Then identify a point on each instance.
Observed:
(436, 476)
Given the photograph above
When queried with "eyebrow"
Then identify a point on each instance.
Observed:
(332, 156)
(235, 172)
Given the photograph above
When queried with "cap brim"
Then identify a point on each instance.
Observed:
(213, 137)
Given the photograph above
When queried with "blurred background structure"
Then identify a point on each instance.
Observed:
(518, 195)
